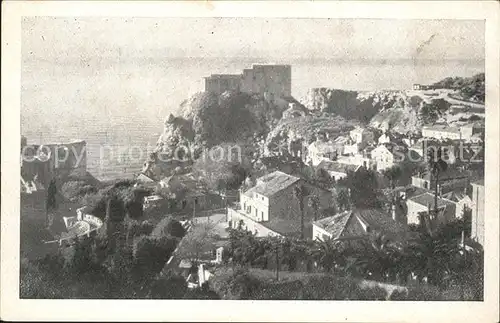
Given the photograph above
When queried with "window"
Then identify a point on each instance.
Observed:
(262, 213)
(263, 198)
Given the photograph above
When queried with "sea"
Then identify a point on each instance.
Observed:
(119, 106)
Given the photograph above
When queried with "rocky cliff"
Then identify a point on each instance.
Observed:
(395, 111)
(207, 119)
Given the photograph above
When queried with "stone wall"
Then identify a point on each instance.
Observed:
(53, 160)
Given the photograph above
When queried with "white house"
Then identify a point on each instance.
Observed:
(361, 135)
(384, 139)
(425, 202)
(358, 224)
(337, 170)
(321, 150)
(271, 207)
(383, 157)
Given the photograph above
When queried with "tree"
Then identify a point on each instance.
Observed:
(313, 203)
(151, 254)
(363, 186)
(436, 165)
(198, 241)
(51, 203)
(393, 174)
(299, 193)
(175, 229)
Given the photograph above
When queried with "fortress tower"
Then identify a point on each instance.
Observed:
(271, 81)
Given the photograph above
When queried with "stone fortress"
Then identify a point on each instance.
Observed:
(41, 163)
(271, 81)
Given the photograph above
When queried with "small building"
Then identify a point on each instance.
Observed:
(441, 132)
(450, 180)
(321, 150)
(356, 160)
(337, 170)
(361, 135)
(385, 156)
(187, 192)
(359, 224)
(420, 87)
(478, 199)
(384, 139)
(463, 202)
(425, 203)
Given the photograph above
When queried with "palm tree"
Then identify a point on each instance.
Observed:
(327, 254)
(313, 203)
(299, 193)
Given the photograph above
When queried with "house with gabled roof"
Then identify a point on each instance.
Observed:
(359, 224)
(425, 203)
(271, 207)
(337, 170)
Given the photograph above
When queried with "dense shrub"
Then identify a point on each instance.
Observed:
(175, 229)
(239, 284)
(171, 286)
(151, 254)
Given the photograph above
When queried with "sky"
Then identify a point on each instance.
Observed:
(60, 38)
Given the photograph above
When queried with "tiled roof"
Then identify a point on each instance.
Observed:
(376, 219)
(144, 179)
(283, 226)
(382, 221)
(428, 198)
(479, 182)
(337, 167)
(335, 224)
(455, 196)
(272, 183)
(449, 174)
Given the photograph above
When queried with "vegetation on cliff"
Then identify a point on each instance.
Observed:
(469, 88)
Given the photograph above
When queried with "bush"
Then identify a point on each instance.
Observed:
(240, 284)
(151, 254)
(175, 229)
(72, 189)
(172, 286)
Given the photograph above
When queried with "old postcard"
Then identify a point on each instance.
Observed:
(250, 161)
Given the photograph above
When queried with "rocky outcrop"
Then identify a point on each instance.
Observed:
(347, 104)
(208, 119)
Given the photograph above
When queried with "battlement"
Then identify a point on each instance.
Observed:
(271, 80)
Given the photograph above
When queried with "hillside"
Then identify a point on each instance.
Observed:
(397, 111)
(467, 88)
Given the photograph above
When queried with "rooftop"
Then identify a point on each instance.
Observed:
(334, 224)
(337, 167)
(442, 128)
(272, 183)
(428, 199)
(376, 219)
(479, 182)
